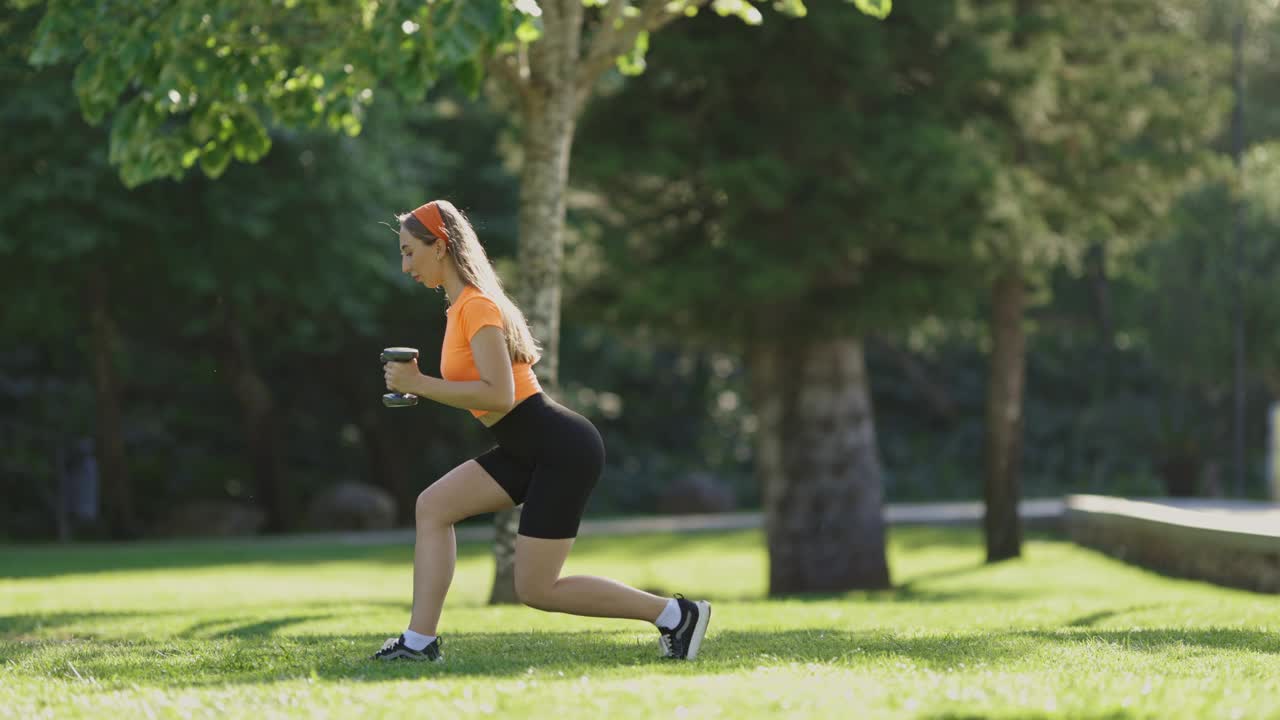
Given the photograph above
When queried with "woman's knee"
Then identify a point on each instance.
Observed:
(430, 511)
(534, 591)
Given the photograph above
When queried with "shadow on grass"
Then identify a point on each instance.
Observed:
(19, 562)
(64, 626)
(916, 537)
(18, 627)
(1023, 715)
(1097, 617)
(255, 656)
(47, 562)
(43, 561)
(247, 631)
(914, 590)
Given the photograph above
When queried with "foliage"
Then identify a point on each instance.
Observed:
(294, 247)
(765, 189)
(1096, 114)
(191, 82)
(1189, 278)
(700, 209)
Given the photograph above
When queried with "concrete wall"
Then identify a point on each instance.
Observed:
(1233, 544)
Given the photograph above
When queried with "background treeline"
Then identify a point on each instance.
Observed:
(216, 341)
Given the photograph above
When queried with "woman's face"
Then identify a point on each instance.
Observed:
(418, 260)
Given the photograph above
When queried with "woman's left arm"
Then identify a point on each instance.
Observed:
(494, 392)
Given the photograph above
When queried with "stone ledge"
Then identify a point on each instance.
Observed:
(1232, 543)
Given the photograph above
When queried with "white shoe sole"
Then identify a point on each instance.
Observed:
(699, 630)
(408, 658)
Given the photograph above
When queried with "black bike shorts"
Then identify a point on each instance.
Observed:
(549, 458)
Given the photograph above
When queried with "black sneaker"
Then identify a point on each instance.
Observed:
(684, 640)
(395, 649)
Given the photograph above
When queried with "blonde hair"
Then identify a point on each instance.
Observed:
(474, 267)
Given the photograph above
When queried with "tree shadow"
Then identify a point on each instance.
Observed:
(946, 573)
(53, 561)
(27, 627)
(16, 627)
(247, 631)
(19, 562)
(914, 590)
(1160, 640)
(41, 561)
(923, 536)
(1097, 617)
(968, 535)
(244, 658)
(1023, 715)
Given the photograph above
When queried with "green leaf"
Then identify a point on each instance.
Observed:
(215, 161)
(875, 8)
(633, 62)
(741, 9)
(793, 8)
(471, 77)
(56, 38)
(351, 125)
(251, 139)
(203, 122)
(529, 30)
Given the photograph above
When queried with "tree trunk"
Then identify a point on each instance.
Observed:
(261, 423)
(818, 466)
(117, 490)
(935, 395)
(61, 520)
(1003, 448)
(387, 467)
(1100, 292)
(549, 119)
(386, 461)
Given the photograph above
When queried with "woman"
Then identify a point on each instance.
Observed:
(547, 456)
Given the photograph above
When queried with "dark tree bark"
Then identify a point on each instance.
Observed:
(1003, 447)
(550, 110)
(117, 488)
(818, 466)
(387, 466)
(261, 422)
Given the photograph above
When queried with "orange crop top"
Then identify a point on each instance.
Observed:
(472, 311)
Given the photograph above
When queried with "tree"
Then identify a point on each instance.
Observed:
(1188, 274)
(189, 82)
(1097, 115)
(231, 290)
(786, 211)
(1251, 27)
(75, 197)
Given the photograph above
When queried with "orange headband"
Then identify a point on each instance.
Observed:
(430, 217)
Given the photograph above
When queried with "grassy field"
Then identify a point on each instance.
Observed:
(282, 630)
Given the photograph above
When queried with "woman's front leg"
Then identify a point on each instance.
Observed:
(465, 491)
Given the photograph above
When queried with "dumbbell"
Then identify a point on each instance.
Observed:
(399, 354)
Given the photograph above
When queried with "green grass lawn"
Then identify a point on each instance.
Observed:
(271, 629)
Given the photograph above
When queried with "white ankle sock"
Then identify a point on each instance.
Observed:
(670, 616)
(417, 641)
